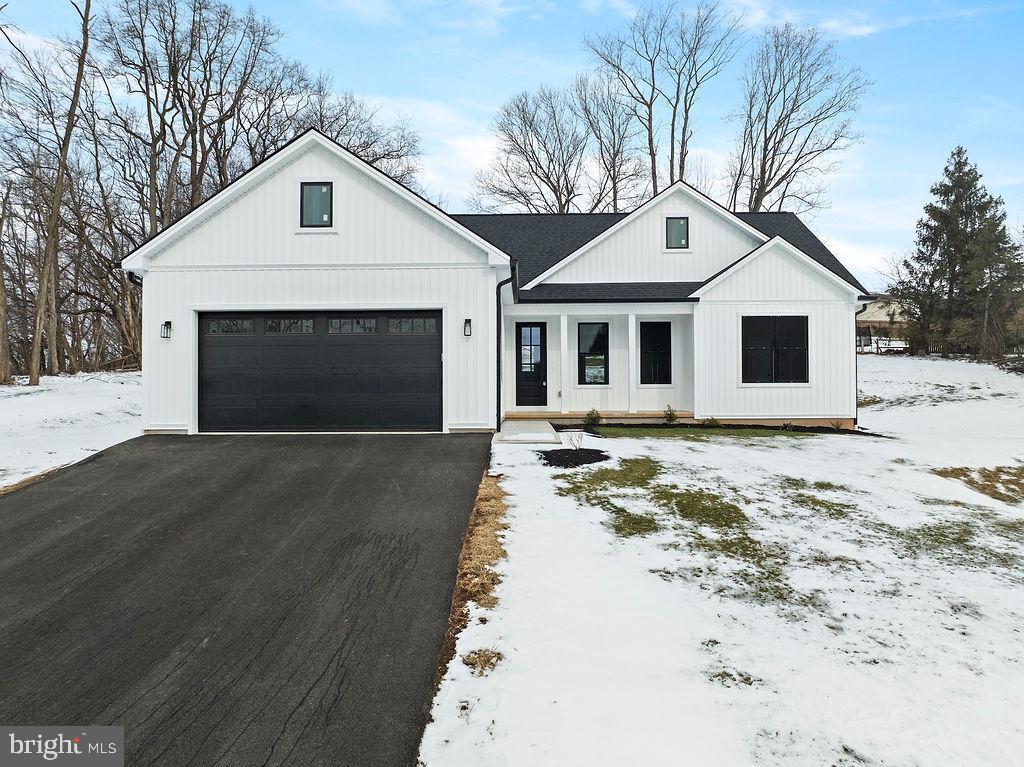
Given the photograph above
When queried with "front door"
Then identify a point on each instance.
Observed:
(531, 364)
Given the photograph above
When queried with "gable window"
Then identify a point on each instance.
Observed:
(317, 202)
(655, 352)
(593, 352)
(774, 349)
(677, 233)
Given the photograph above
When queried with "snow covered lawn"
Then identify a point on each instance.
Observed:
(783, 600)
(65, 419)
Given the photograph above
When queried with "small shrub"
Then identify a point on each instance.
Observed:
(593, 417)
(787, 426)
(670, 414)
(710, 423)
(836, 424)
(574, 439)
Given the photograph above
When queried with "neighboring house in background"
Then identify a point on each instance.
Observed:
(317, 294)
(882, 318)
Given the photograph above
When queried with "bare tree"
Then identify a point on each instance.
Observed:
(540, 166)
(62, 123)
(5, 339)
(613, 132)
(699, 44)
(699, 174)
(796, 119)
(635, 57)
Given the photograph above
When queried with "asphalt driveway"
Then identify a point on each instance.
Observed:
(242, 600)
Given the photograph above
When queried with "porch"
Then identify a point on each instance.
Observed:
(560, 361)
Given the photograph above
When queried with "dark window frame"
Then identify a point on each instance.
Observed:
(581, 355)
(772, 352)
(655, 364)
(302, 202)
(668, 223)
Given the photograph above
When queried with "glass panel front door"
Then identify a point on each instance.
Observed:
(531, 364)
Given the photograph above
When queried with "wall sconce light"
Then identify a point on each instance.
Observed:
(165, 329)
(467, 328)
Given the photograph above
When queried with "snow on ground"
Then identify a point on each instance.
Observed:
(874, 619)
(65, 419)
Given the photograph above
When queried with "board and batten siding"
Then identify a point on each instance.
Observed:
(636, 252)
(381, 253)
(775, 283)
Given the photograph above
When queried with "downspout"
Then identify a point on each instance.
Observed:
(856, 361)
(497, 301)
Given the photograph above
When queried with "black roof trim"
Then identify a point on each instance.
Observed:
(609, 292)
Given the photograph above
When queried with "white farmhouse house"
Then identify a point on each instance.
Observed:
(317, 294)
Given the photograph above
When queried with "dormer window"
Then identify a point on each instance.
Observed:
(677, 233)
(317, 203)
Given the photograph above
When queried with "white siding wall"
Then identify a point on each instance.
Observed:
(636, 253)
(382, 253)
(776, 283)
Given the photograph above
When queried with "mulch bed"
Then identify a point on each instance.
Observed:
(566, 458)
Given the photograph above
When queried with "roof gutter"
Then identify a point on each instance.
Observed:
(514, 268)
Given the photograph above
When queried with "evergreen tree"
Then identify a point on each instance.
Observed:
(964, 279)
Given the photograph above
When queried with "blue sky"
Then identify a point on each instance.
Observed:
(945, 73)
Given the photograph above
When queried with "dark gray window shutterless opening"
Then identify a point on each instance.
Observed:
(317, 204)
(655, 352)
(593, 353)
(677, 233)
(774, 349)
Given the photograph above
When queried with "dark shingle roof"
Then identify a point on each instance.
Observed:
(538, 241)
(609, 292)
(790, 228)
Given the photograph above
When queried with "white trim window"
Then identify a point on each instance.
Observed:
(655, 353)
(775, 349)
(677, 233)
(316, 204)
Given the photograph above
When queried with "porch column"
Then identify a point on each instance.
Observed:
(563, 360)
(634, 376)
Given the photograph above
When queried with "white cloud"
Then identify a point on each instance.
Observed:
(622, 7)
(456, 142)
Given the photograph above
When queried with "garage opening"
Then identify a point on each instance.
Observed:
(332, 371)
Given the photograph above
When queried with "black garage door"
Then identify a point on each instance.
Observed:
(336, 371)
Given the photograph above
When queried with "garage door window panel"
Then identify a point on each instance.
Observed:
(288, 326)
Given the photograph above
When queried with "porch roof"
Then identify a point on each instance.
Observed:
(609, 292)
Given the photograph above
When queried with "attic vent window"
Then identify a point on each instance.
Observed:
(317, 203)
(677, 233)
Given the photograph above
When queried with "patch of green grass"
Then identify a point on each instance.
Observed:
(796, 492)
(953, 541)
(869, 400)
(627, 524)
(837, 561)
(700, 507)
(693, 433)
(596, 487)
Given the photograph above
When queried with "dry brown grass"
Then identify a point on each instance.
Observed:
(1004, 483)
(8, 489)
(475, 577)
(482, 661)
